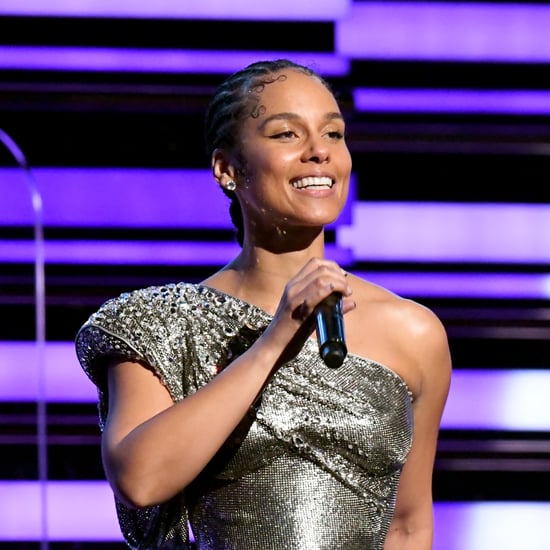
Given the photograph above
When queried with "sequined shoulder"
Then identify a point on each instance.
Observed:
(178, 330)
(124, 327)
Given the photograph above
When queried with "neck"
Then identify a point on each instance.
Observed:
(259, 275)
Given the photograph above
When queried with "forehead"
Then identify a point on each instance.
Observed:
(291, 90)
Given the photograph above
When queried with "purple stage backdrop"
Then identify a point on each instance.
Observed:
(479, 234)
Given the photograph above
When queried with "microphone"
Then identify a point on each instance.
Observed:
(330, 330)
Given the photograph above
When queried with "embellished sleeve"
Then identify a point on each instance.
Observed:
(144, 326)
(136, 326)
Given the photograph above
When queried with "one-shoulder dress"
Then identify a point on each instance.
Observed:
(315, 464)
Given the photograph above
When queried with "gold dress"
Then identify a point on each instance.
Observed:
(314, 465)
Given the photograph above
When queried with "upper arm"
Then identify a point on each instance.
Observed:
(135, 394)
(414, 506)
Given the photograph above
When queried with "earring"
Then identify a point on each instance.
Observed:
(231, 185)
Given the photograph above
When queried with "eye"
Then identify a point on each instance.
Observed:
(336, 135)
(287, 134)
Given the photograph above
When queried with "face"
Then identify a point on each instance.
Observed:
(296, 162)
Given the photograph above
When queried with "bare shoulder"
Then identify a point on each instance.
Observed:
(402, 334)
(415, 318)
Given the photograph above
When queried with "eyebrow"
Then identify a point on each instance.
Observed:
(295, 116)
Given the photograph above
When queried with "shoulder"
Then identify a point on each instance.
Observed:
(141, 315)
(142, 325)
(414, 317)
(401, 333)
(131, 315)
(141, 301)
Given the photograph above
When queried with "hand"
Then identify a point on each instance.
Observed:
(294, 320)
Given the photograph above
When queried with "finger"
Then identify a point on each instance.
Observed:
(306, 293)
(302, 312)
(348, 304)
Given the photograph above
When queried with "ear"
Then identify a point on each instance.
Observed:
(223, 167)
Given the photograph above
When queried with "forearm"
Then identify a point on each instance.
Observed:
(162, 455)
(412, 526)
(403, 539)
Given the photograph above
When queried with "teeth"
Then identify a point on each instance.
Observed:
(313, 182)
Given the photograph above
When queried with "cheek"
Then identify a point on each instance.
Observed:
(346, 158)
(271, 164)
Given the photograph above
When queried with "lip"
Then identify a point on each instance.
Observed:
(316, 181)
(315, 175)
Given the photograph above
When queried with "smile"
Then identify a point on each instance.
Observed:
(318, 182)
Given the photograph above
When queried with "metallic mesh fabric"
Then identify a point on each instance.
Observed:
(314, 465)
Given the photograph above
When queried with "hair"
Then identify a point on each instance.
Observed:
(235, 100)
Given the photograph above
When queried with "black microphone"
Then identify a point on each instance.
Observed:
(330, 330)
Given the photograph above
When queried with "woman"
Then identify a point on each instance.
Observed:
(215, 407)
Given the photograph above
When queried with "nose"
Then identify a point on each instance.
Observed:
(316, 150)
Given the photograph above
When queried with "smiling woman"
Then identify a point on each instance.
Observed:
(216, 408)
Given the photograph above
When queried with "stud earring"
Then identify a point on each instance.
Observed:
(231, 185)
